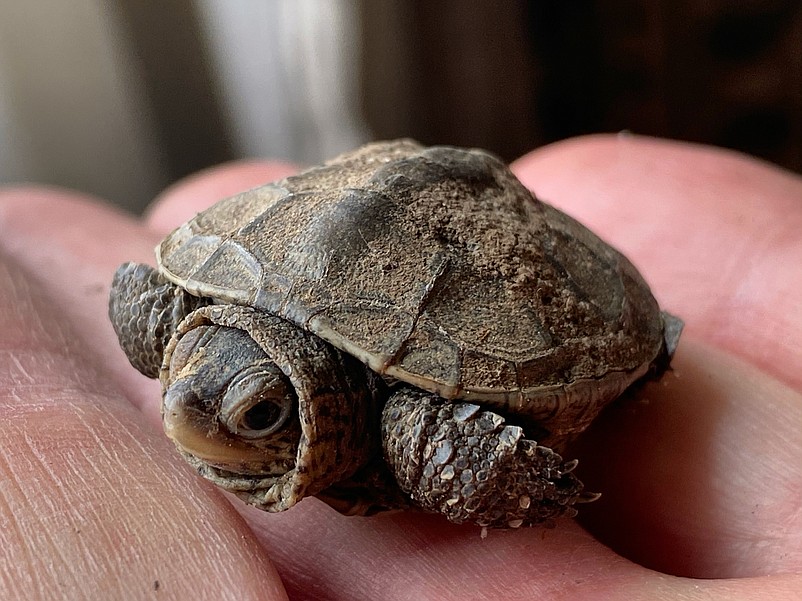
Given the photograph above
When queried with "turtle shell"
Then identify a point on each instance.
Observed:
(437, 267)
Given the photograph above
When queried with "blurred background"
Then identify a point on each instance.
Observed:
(120, 98)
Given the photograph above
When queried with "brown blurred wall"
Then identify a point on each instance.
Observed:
(513, 74)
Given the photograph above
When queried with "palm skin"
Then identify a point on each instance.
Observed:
(701, 474)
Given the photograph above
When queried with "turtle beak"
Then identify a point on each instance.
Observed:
(194, 431)
(227, 405)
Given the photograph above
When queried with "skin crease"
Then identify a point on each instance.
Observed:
(701, 473)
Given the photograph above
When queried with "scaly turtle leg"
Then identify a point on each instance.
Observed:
(145, 309)
(464, 462)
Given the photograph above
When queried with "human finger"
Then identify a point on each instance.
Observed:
(701, 472)
(70, 244)
(410, 555)
(190, 195)
(94, 501)
(717, 236)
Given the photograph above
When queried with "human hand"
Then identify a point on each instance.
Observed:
(702, 475)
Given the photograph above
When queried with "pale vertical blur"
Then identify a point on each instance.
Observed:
(289, 75)
(73, 111)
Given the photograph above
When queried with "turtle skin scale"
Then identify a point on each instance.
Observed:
(483, 319)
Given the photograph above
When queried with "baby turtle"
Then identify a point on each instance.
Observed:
(401, 326)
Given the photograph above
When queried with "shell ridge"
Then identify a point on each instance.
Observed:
(430, 290)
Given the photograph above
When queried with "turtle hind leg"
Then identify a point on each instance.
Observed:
(468, 464)
(145, 309)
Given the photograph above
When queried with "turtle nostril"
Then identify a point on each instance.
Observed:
(183, 412)
(179, 397)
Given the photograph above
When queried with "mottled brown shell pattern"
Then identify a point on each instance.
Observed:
(437, 267)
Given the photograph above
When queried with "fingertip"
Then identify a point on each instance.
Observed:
(594, 173)
(698, 472)
(196, 192)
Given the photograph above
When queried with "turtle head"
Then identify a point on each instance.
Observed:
(264, 409)
(228, 405)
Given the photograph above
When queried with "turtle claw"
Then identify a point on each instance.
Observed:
(569, 466)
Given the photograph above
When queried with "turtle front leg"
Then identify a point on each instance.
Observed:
(145, 310)
(464, 462)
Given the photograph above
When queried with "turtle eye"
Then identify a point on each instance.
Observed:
(258, 401)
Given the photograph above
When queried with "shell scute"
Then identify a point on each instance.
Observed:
(433, 353)
(231, 269)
